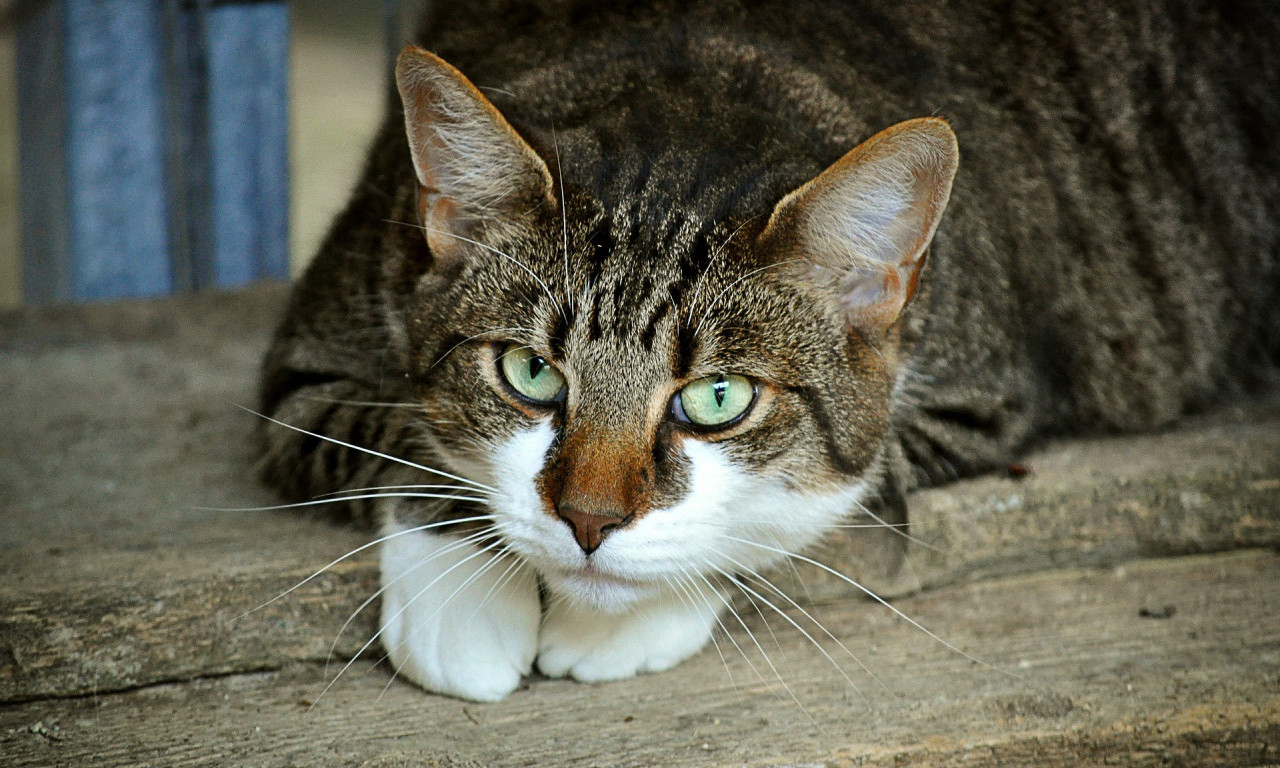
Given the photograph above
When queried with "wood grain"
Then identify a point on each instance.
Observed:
(1077, 677)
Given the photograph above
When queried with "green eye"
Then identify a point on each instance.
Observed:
(530, 375)
(714, 401)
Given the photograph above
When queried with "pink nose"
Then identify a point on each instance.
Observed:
(589, 528)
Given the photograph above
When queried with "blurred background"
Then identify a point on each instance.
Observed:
(337, 82)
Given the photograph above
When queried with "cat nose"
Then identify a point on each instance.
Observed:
(590, 528)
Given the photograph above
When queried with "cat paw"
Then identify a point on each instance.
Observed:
(592, 646)
(453, 620)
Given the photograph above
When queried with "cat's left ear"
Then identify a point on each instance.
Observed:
(472, 166)
(863, 225)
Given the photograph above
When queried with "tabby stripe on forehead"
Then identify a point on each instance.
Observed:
(558, 333)
(686, 346)
(594, 331)
(600, 247)
(837, 458)
(646, 338)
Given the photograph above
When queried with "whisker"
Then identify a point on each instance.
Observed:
(442, 551)
(697, 288)
(764, 581)
(395, 488)
(763, 654)
(457, 590)
(899, 528)
(333, 499)
(496, 587)
(873, 596)
(473, 337)
(564, 218)
(491, 249)
(684, 589)
(754, 595)
(341, 401)
(396, 615)
(371, 452)
(729, 635)
(360, 549)
(730, 287)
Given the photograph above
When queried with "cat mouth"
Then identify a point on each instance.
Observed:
(602, 589)
(590, 572)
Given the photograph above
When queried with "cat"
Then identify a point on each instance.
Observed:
(656, 294)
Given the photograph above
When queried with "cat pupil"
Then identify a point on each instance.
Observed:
(536, 364)
(719, 388)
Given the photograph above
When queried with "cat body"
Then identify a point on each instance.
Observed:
(658, 295)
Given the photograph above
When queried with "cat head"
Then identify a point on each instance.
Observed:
(657, 394)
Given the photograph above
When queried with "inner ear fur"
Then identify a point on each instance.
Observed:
(862, 227)
(472, 166)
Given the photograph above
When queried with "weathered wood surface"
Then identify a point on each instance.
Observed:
(120, 597)
(1085, 680)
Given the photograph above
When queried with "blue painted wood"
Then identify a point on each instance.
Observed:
(248, 57)
(153, 146)
(119, 235)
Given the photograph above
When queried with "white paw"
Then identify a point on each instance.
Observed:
(455, 621)
(592, 646)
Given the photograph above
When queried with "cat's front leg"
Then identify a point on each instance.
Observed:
(456, 620)
(653, 635)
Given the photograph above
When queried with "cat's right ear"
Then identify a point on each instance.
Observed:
(472, 166)
(861, 228)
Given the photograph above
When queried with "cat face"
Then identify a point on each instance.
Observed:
(657, 395)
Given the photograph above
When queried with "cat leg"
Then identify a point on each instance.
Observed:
(592, 646)
(456, 620)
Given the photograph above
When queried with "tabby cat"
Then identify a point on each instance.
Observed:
(656, 293)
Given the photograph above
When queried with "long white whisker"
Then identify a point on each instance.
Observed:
(697, 288)
(730, 286)
(362, 548)
(493, 250)
(685, 589)
(338, 499)
(750, 665)
(564, 219)
(371, 452)
(756, 595)
(498, 584)
(396, 615)
(482, 533)
(763, 653)
(899, 529)
(490, 563)
(764, 581)
(411, 487)
(473, 337)
(873, 596)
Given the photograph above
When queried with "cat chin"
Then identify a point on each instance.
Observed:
(593, 590)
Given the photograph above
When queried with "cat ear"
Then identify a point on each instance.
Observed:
(471, 164)
(862, 226)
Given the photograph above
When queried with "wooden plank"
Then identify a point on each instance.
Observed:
(1082, 679)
